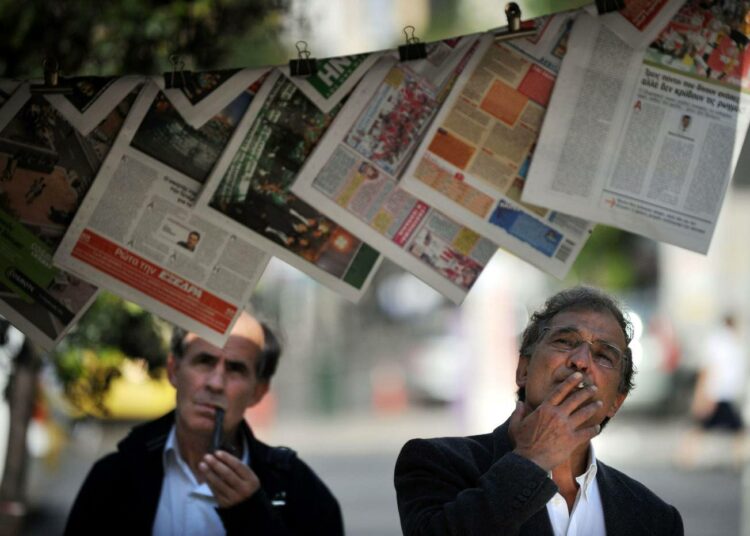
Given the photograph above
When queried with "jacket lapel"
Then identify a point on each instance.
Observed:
(621, 507)
(539, 524)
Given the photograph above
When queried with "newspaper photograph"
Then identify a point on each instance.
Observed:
(473, 161)
(92, 99)
(249, 191)
(202, 95)
(46, 169)
(640, 21)
(646, 143)
(353, 176)
(137, 234)
(335, 79)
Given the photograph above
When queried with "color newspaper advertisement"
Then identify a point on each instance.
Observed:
(473, 161)
(46, 168)
(137, 233)
(249, 191)
(353, 176)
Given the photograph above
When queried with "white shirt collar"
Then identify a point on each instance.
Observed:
(585, 479)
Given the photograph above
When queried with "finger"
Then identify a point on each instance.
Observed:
(585, 412)
(587, 434)
(577, 398)
(233, 463)
(220, 489)
(565, 388)
(518, 414)
(222, 471)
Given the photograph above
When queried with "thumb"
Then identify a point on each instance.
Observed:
(518, 414)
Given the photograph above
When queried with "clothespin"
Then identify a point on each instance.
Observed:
(53, 82)
(179, 78)
(414, 49)
(607, 6)
(304, 65)
(516, 28)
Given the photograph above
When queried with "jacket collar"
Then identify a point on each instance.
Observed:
(620, 504)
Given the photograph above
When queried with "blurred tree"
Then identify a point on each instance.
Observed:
(617, 260)
(91, 355)
(137, 36)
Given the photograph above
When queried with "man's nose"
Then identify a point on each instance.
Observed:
(216, 378)
(580, 357)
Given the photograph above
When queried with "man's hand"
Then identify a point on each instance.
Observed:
(549, 434)
(230, 480)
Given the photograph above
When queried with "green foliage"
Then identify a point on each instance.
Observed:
(616, 260)
(91, 356)
(136, 36)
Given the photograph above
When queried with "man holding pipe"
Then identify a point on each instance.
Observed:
(199, 470)
(536, 474)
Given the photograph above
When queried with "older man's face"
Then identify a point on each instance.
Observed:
(554, 360)
(208, 377)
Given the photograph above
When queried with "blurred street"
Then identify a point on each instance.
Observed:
(355, 455)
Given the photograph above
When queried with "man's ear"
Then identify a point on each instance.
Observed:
(522, 371)
(261, 388)
(619, 399)
(172, 365)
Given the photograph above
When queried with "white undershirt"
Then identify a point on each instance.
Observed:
(185, 506)
(587, 517)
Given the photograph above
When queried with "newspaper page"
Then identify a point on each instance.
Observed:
(137, 234)
(473, 161)
(335, 79)
(647, 144)
(92, 99)
(249, 191)
(354, 177)
(640, 21)
(46, 168)
(205, 94)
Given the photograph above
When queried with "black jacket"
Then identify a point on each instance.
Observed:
(121, 493)
(476, 486)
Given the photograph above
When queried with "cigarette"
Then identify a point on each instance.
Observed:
(218, 429)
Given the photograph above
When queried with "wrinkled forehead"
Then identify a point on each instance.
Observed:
(239, 347)
(597, 324)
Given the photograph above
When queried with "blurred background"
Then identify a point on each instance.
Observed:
(356, 381)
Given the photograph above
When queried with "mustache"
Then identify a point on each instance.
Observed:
(216, 402)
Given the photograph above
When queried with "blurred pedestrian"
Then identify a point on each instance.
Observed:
(718, 389)
(167, 477)
(537, 474)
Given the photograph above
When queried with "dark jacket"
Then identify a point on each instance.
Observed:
(476, 486)
(121, 493)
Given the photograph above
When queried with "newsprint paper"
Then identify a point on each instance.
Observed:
(249, 191)
(137, 234)
(202, 95)
(640, 21)
(647, 144)
(353, 175)
(46, 168)
(473, 161)
(334, 80)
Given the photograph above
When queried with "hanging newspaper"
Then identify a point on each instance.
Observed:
(46, 168)
(354, 174)
(137, 235)
(202, 95)
(473, 161)
(249, 191)
(646, 144)
(92, 99)
(640, 21)
(335, 79)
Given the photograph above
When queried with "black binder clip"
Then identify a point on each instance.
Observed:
(414, 49)
(515, 26)
(304, 65)
(608, 6)
(53, 83)
(179, 78)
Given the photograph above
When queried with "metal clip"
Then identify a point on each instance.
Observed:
(608, 6)
(304, 65)
(53, 82)
(515, 26)
(414, 49)
(279, 499)
(172, 80)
